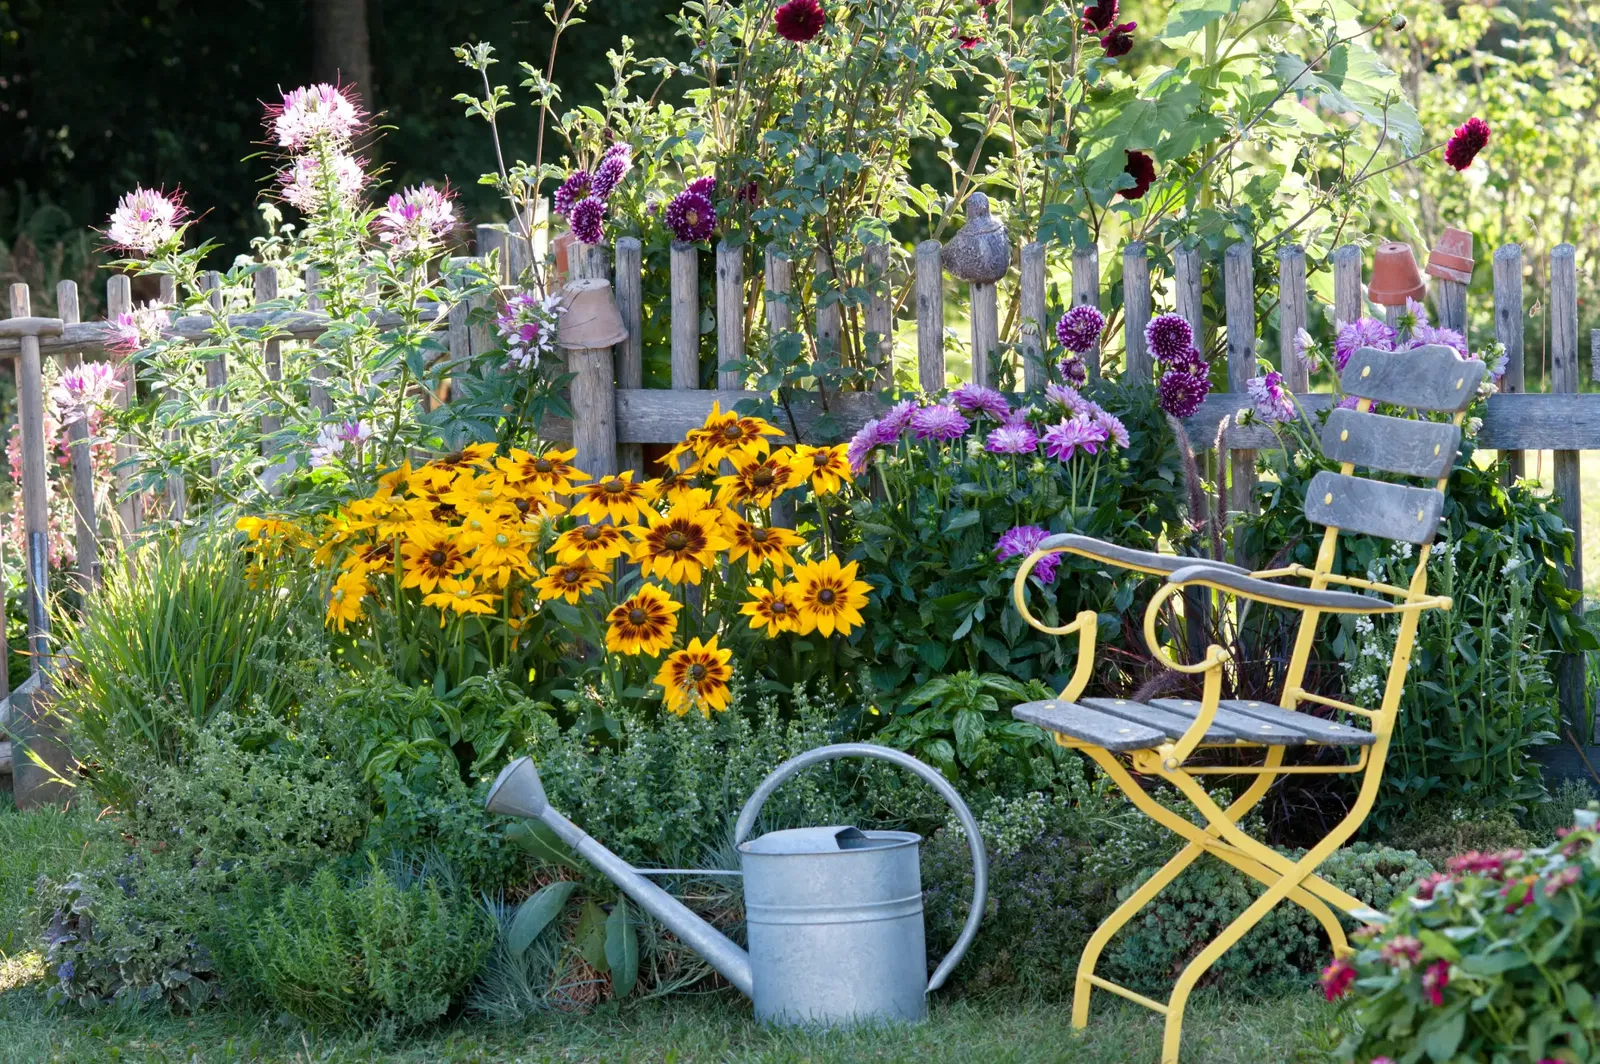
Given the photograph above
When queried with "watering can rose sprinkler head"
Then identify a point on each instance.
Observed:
(834, 914)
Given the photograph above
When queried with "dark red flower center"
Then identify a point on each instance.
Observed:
(637, 617)
(826, 596)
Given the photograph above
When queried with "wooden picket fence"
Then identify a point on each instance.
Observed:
(615, 415)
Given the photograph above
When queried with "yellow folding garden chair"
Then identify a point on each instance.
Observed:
(1160, 737)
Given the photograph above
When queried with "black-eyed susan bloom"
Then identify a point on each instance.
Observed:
(618, 498)
(600, 544)
(730, 436)
(570, 582)
(678, 545)
(479, 455)
(827, 467)
(758, 482)
(370, 557)
(459, 596)
(696, 677)
(776, 609)
(642, 623)
(551, 471)
(431, 554)
(344, 601)
(830, 596)
(760, 544)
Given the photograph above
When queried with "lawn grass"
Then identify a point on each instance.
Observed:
(50, 840)
(685, 1029)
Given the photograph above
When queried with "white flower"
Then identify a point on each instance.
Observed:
(314, 113)
(144, 219)
(305, 186)
(333, 439)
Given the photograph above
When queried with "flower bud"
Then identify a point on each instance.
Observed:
(1397, 21)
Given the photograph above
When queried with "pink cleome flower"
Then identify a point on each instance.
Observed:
(316, 114)
(416, 220)
(307, 188)
(135, 330)
(144, 220)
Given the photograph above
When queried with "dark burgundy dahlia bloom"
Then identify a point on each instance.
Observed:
(1469, 139)
(1142, 169)
(691, 216)
(1099, 15)
(799, 20)
(1118, 41)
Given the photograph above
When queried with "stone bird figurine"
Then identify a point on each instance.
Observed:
(980, 253)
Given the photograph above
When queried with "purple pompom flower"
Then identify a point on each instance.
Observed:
(578, 184)
(588, 220)
(976, 399)
(691, 217)
(1180, 394)
(1271, 398)
(1365, 332)
(1012, 439)
(705, 186)
(1079, 328)
(1065, 439)
(893, 424)
(1169, 338)
(938, 422)
(1022, 541)
(612, 169)
(861, 446)
(1075, 371)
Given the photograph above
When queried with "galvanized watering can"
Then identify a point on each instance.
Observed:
(833, 914)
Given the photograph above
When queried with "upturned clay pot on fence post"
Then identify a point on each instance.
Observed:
(1395, 278)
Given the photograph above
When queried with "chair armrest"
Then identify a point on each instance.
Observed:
(1291, 596)
(1142, 561)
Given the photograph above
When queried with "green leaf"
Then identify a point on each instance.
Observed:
(622, 949)
(542, 843)
(535, 914)
(1441, 1040)
(969, 734)
(1191, 16)
(590, 938)
(1439, 944)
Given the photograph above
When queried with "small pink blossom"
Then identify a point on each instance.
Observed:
(144, 220)
(1336, 979)
(83, 389)
(135, 330)
(306, 188)
(332, 440)
(417, 220)
(314, 114)
(1434, 980)
(1012, 439)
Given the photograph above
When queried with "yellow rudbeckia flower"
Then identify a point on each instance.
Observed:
(831, 597)
(696, 676)
(643, 623)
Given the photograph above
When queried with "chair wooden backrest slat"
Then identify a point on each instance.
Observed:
(1373, 507)
(1433, 377)
(1391, 444)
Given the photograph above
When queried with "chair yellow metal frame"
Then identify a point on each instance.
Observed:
(1284, 879)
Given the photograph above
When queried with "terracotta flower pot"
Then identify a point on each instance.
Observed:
(1451, 257)
(1395, 277)
(591, 318)
(559, 244)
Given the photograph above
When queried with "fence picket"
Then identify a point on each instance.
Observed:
(317, 393)
(984, 314)
(930, 315)
(85, 518)
(730, 315)
(1135, 311)
(35, 480)
(588, 261)
(630, 353)
(216, 368)
(1508, 331)
(130, 505)
(685, 316)
(1292, 316)
(879, 321)
(830, 319)
(1086, 293)
(1187, 270)
(1346, 284)
(1568, 483)
(266, 290)
(1034, 332)
(1238, 282)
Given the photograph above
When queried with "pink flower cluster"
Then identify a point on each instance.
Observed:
(316, 125)
(145, 220)
(1022, 541)
(417, 220)
(584, 197)
(691, 215)
(527, 327)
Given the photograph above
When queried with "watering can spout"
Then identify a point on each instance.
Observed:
(517, 792)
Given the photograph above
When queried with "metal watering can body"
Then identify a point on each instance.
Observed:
(833, 914)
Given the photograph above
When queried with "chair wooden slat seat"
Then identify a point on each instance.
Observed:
(1276, 724)
(1173, 723)
(1089, 726)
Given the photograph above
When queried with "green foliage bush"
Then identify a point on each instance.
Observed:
(1493, 961)
(393, 947)
(1438, 833)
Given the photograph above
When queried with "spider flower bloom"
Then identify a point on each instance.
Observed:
(1065, 439)
(1169, 338)
(1142, 168)
(799, 20)
(1336, 979)
(144, 220)
(830, 597)
(642, 624)
(84, 388)
(579, 184)
(1118, 42)
(1271, 398)
(938, 422)
(1098, 15)
(1075, 371)
(307, 188)
(1180, 394)
(1468, 140)
(976, 399)
(1012, 439)
(527, 328)
(1079, 328)
(691, 217)
(1024, 540)
(137, 329)
(316, 113)
(416, 220)
(613, 167)
(588, 220)
(333, 439)
(1364, 332)
(696, 677)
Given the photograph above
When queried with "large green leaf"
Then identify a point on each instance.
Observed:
(535, 914)
(1355, 80)
(591, 937)
(540, 841)
(1191, 16)
(622, 949)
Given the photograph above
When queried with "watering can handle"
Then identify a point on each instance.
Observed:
(980, 861)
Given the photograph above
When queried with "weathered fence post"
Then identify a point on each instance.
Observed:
(590, 330)
(130, 504)
(266, 290)
(1034, 333)
(1346, 261)
(1238, 282)
(1136, 366)
(1186, 266)
(35, 476)
(1292, 316)
(830, 317)
(177, 487)
(1508, 331)
(1086, 293)
(588, 261)
(320, 401)
(216, 368)
(1564, 379)
(87, 525)
(630, 353)
(985, 324)
(879, 320)
(730, 315)
(930, 315)
(685, 316)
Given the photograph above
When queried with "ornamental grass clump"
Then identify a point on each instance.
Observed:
(1491, 960)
